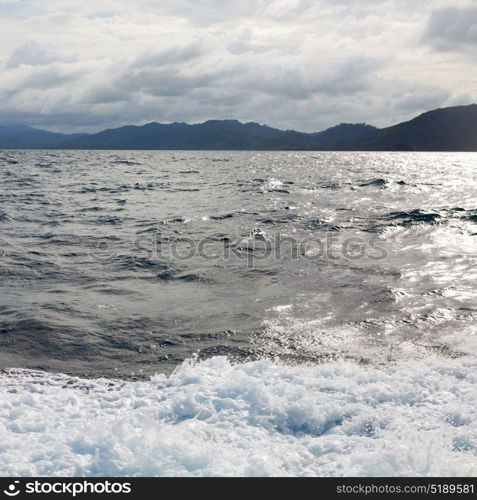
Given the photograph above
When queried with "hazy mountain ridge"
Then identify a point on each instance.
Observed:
(21, 136)
(446, 129)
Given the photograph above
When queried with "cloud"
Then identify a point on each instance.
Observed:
(170, 55)
(303, 64)
(32, 54)
(452, 28)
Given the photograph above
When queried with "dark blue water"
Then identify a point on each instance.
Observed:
(126, 263)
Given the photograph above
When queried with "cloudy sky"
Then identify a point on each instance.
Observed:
(304, 64)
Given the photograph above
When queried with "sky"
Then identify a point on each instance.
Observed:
(86, 65)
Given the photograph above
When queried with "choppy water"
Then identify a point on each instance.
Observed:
(122, 263)
(352, 274)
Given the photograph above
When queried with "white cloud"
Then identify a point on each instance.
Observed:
(304, 64)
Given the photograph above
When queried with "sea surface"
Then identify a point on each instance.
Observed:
(238, 313)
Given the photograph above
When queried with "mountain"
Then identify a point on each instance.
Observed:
(446, 129)
(21, 136)
(214, 134)
(344, 131)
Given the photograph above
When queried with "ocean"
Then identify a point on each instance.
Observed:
(217, 313)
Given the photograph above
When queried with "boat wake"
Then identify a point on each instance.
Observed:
(265, 418)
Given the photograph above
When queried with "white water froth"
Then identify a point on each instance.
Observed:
(214, 418)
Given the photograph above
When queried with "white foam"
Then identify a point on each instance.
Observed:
(259, 418)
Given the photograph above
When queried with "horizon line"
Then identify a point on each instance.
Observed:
(38, 127)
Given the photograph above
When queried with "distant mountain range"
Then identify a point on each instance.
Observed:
(447, 129)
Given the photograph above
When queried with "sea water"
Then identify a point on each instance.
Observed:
(238, 313)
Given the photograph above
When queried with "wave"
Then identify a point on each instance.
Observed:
(415, 216)
(374, 182)
(4, 216)
(125, 162)
(215, 418)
